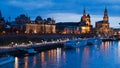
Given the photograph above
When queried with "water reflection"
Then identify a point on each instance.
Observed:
(35, 60)
(85, 57)
(58, 55)
(106, 55)
(16, 62)
(26, 62)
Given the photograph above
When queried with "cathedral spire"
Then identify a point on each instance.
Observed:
(105, 12)
(84, 12)
(105, 18)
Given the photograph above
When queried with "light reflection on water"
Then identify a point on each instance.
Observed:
(106, 55)
(26, 62)
(16, 62)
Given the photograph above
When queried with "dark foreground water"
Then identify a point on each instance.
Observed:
(106, 55)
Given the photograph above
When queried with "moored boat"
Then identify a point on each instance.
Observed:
(31, 51)
(75, 43)
(94, 41)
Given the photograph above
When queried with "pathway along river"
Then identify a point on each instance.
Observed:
(106, 55)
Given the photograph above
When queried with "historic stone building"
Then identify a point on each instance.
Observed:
(22, 19)
(67, 28)
(85, 23)
(82, 27)
(41, 26)
(102, 27)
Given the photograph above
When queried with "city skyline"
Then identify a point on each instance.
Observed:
(72, 10)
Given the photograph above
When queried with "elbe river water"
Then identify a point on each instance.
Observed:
(106, 55)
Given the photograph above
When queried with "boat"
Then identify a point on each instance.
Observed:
(31, 51)
(4, 59)
(75, 43)
(27, 51)
(94, 41)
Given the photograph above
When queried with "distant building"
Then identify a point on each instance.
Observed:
(2, 21)
(19, 25)
(102, 27)
(116, 32)
(22, 19)
(85, 23)
(2, 24)
(67, 28)
(41, 26)
(82, 27)
(39, 20)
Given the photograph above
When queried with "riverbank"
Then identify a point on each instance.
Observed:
(38, 38)
(38, 47)
(14, 50)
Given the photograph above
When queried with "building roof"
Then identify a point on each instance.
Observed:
(62, 25)
(102, 22)
(99, 21)
(67, 24)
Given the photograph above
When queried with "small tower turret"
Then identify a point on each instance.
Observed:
(83, 18)
(105, 18)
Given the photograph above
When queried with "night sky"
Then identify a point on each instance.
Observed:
(62, 10)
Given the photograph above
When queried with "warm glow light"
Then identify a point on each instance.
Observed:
(119, 32)
(58, 54)
(41, 28)
(26, 62)
(85, 29)
(16, 62)
(42, 57)
(25, 31)
(3, 32)
(17, 32)
(35, 31)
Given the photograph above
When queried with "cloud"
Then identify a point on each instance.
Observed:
(30, 5)
(65, 17)
(73, 17)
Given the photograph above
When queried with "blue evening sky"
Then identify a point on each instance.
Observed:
(62, 10)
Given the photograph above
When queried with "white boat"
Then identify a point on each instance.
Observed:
(6, 59)
(75, 43)
(31, 51)
(94, 41)
(28, 51)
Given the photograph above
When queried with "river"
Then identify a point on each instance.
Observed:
(106, 55)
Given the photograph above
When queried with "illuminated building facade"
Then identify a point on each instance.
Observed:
(18, 26)
(102, 27)
(85, 23)
(82, 27)
(41, 26)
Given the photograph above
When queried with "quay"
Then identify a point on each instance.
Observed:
(14, 50)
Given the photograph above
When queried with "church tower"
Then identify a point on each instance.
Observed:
(105, 18)
(86, 18)
(83, 18)
(88, 22)
(84, 12)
